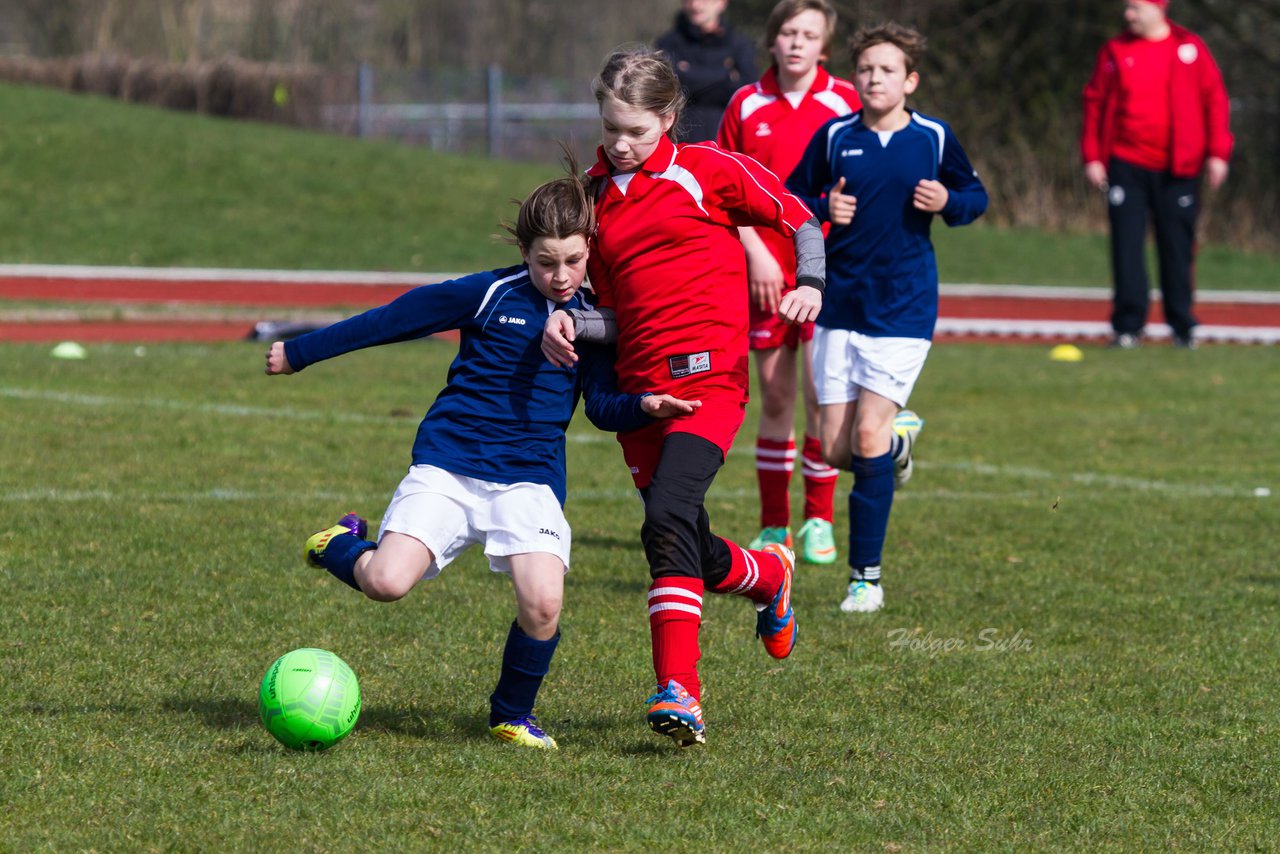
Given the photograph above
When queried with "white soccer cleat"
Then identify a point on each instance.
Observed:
(863, 598)
(907, 425)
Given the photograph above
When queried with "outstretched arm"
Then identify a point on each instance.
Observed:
(616, 411)
(414, 314)
(666, 406)
(277, 361)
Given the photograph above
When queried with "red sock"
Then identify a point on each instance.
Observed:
(675, 616)
(755, 575)
(819, 482)
(775, 460)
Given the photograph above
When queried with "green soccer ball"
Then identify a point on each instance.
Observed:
(309, 699)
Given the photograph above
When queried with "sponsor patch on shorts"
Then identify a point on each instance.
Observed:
(693, 363)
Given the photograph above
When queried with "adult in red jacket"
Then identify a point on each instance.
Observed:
(1155, 122)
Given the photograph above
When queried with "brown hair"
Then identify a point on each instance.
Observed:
(559, 208)
(906, 39)
(788, 9)
(642, 78)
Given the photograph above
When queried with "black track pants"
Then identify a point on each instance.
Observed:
(1173, 203)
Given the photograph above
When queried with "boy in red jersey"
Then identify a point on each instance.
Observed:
(667, 264)
(773, 121)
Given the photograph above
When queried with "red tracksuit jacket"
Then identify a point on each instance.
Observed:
(1199, 124)
(666, 257)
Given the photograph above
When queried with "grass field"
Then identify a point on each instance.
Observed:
(89, 181)
(1077, 650)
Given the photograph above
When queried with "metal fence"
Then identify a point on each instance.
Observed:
(520, 118)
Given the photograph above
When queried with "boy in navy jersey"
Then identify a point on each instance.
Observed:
(489, 458)
(879, 177)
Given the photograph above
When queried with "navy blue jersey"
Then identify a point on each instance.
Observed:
(882, 278)
(503, 414)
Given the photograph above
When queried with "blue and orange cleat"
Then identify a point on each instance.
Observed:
(313, 551)
(525, 732)
(776, 623)
(674, 713)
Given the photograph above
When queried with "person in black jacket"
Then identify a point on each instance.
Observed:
(712, 60)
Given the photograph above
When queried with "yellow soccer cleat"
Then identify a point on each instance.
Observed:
(525, 732)
(313, 551)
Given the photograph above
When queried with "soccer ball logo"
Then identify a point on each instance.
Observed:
(309, 699)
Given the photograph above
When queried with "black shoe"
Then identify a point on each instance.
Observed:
(1185, 342)
(1126, 341)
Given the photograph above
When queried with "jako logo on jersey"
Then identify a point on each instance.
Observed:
(694, 363)
(548, 532)
(763, 129)
(518, 321)
(851, 152)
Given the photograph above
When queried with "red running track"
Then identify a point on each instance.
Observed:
(201, 289)
(1015, 308)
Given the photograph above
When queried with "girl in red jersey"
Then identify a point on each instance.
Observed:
(670, 279)
(773, 120)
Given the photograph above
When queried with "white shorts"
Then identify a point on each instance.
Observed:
(844, 362)
(448, 513)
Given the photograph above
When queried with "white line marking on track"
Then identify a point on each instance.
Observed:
(347, 277)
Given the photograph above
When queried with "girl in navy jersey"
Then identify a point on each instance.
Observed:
(488, 463)
(666, 263)
(773, 120)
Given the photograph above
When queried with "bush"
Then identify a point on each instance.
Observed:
(99, 74)
(229, 87)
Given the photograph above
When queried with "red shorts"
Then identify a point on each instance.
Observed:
(769, 332)
(717, 421)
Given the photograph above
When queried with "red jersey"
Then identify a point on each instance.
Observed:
(762, 122)
(666, 258)
(1144, 106)
(1118, 122)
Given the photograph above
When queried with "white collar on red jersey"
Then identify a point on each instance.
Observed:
(662, 159)
(768, 83)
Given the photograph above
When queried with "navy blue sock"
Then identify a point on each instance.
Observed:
(525, 661)
(869, 505)
(340, 557)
